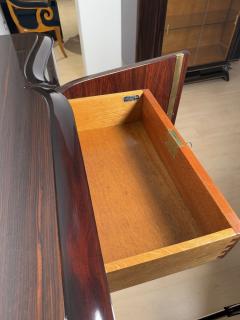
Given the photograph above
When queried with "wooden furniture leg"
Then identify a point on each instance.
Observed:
(59, 40)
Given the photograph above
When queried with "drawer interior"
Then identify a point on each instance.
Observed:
(136, 203)
(148, 190)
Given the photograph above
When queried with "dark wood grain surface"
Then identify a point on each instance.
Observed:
(51, 264)
(86, 292)
(25, 43)
(155, 74)
(22, 45)
(150, 28)
(30, 271)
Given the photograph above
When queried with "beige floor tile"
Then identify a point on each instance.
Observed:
(209, 117)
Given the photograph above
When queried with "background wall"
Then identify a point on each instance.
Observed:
(129, 30)
(3, 25)
(100, 34)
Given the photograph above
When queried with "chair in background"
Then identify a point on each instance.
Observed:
(43, 16)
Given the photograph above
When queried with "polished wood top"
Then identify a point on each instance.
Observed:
(30, 271)
(51, 264)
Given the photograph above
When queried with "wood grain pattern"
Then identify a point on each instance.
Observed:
(155, 74)
(107, 110)
(138, 161)
(208, 116)
(207, 48)
(86, 293)
(28, 177)
(30, 271)
(182, 38)
(176, 39)
(150, 28)
(184, 164)
(202, 27)
(164, 261)
(121, 163)
(44, 199)
(23, 45)
(189, 13)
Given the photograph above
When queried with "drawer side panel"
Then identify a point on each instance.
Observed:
(158, 263)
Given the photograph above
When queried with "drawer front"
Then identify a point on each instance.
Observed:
(162, 262)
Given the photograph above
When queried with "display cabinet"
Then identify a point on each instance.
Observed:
(208, 29)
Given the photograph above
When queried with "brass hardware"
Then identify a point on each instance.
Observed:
(168, 26)
(176, 79)
(174, 142)
(236, 19)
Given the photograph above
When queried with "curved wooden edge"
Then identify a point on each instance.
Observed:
(42, 11)
(28, 4)
(30, 281)
(86, 293)
(157, 74)
(37, 60)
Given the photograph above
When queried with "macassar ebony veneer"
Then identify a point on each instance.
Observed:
(98, 190)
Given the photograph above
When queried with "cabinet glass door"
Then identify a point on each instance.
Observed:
(204, 27)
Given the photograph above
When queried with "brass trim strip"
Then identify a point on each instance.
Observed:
(173, 142)
(176, 79)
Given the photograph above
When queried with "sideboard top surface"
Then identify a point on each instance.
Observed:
(30, 272)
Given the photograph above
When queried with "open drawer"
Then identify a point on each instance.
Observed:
(156, 209)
